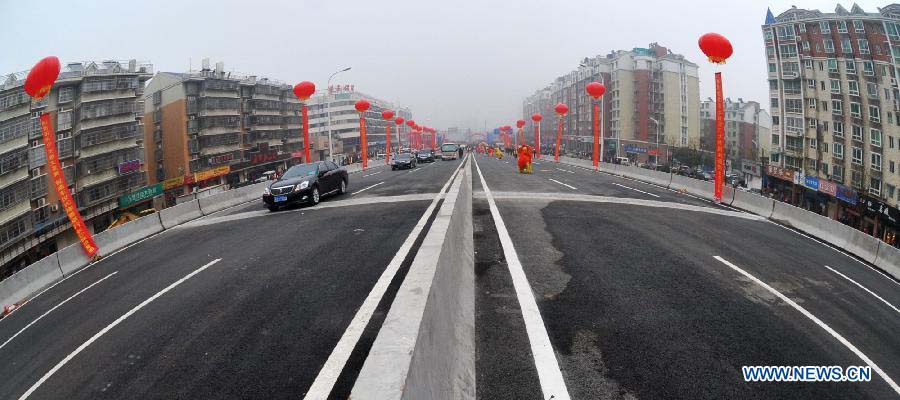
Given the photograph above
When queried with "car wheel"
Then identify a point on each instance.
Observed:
(315, 195)
(343, 188)
(272, 208)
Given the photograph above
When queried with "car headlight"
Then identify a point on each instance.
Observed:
(267, 191)
(302, 185)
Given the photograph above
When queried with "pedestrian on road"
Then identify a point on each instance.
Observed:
(460, 152)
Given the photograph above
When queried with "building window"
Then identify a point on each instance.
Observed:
(66, 94)
(837, 150)
(875, 186)
(872, 90)
(845, 46)
(770, 51)
(829, 46)
(801, 27)
(774, 102)
(64, 120)
(855, 110)
(825, 167)
(792, 87)
(835, 86)
(891, 142)
(838, 128)
(842, 26)
(857, 157)
(850, 66)
(858, 26)
(837, 107)
(775, 138)
(811, 83)
(793, 106)
(768, 34)
(868, 68)
(824, 27)
(785, 32)
(806, 49)
(875, 137)
(892, 167)
(773, 84)
(812, 103)
(813, 143)
(812, 123)
(857, 133)
(837, 172)
(773, 68)
(874, 114)
(853, 88)
(788, 50)
(863, 46)
(889, 191)
(808, 64)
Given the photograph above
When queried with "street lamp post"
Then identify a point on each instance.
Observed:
(656, 156)
(330, 144)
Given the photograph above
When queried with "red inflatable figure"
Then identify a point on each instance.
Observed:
(524, 162)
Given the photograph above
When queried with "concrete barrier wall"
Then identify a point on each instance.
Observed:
(888, 259)
(180, 214)
(114, 239)
(821, 227)
(72, 258)
(426, 346)
(861, 244)
(753, 203)
(31, 280)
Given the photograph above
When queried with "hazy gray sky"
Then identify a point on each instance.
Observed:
(453, 62)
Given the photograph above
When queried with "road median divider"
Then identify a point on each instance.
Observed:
(16, 289)
(425, 348)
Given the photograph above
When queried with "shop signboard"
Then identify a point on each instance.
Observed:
(828, 187)
(172, 183)
(129, 166)
(786, 174)
(846, 194)
(876, 207)
(811, 182)
(630, 148)
(212, 173)
(144, 193)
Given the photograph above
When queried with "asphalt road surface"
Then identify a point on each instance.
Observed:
(588, 286)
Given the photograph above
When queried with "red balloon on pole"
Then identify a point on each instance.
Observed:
(716, 47)
(595, 89)
(362, 105)
(41, 77)
(536, 117)
(387, 114)
(561, 108)
(398, 120)
(537, 133)
(410, 123)
(520, 123)
(304, 90)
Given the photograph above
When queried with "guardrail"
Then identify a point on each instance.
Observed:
(17, 288)
(867, 248)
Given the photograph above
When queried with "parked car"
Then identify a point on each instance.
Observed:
(685, 170)
(706, 176)
(403, 161)
(622, 160)
(306, 183)
(425, 156)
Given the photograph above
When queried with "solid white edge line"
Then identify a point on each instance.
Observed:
(53, 309)
(331, 370)
(566, 185)
(565, 170)
(106, 329)
(363, 190)
(636, 190)
(817, 321)
(550, 376)
(860, 286)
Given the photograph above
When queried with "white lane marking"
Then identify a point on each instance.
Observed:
(323, 385)
(53, 309)
(565, 170)
(566, 185)
(826, 244)
(118, 321)
(636, 190)
(857, 284)
(376, 173)
(817, 321)
(550, 376)
(367, 188)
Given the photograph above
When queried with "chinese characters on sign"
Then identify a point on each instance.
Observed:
(335, 89)
(129, 166)
(211, 173)
(220, 159)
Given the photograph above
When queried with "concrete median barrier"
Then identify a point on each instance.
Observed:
(180, 214)
(426, 346)
(888, 259)
(753, 203)
(31, 280)
(114, 239)
(861, 244)
(72, 258)
(821, 227)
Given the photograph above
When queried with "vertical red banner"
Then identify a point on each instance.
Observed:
(720, 138)
(559, 130)
(362, 140)
(537, 139)
(62, 188)
(596, 117)
(433, 140)
(305, 116)
(387, 143)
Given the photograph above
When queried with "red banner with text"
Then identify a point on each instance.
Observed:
(720, 138)
(62, 188)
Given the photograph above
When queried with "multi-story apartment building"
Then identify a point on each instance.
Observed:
(97, 111)
(835, 124)
(643, 85)
(337, 106)
(747, 133)
(211, 127)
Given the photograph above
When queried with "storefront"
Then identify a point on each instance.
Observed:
(881, 220)
(782, 187)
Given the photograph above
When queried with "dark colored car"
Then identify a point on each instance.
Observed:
(425, 156)
(306, 183)
(403, 161)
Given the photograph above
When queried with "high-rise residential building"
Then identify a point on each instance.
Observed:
(834, 98)
(334, 112)
(747, 133)
(212, 127)
(96, 109)
(643, 85)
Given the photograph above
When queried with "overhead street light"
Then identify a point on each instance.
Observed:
(330, 143)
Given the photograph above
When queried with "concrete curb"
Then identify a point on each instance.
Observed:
(426, 346)
(37, 276)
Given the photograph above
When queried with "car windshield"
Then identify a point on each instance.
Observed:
(449, 147)
(301, 170)
(403, 156)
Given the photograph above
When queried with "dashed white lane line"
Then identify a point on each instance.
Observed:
(376, 173)
(566, 185)
(817, 321)
(860, 286)
(118, 321)
(323, 385)
(53, 309)
(550, 376)
(367, 188)
(565, 170)
(636, 190)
